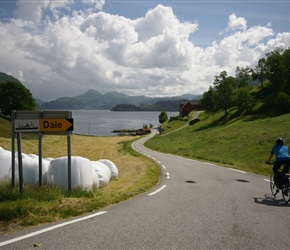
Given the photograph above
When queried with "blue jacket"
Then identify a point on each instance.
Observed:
(281, 152)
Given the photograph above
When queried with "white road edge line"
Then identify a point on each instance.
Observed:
(158, 190)
(49, 229)
(207, 163)
(237, 170)
(163, 167)
(267, 180)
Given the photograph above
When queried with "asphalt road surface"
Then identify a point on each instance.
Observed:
(197, 205)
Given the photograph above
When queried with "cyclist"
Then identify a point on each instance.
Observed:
(281, 152)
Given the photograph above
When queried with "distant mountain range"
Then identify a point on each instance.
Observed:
(113, 100)
(93, 99)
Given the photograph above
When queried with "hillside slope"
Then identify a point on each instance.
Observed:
(4, 78)
(242, 143)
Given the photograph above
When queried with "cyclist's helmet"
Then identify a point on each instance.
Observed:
(280, 141)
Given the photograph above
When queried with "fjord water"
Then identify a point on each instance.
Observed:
(103, 122)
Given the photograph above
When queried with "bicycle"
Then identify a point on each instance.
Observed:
(285, 188)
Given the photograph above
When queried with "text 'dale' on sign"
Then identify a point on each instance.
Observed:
(55, 125)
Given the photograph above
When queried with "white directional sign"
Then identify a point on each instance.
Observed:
(42, 121)
(21, 125)
(43, 125)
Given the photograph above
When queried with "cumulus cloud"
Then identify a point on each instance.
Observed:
(31, 11)
(69, 52)
(97, 4)
(236, 23)
(35, 10)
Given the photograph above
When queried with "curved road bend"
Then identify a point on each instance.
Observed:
(196, 206)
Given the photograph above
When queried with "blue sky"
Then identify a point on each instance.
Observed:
(153, 48)
(212, 16)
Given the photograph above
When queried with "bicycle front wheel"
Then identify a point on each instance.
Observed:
(272, 185)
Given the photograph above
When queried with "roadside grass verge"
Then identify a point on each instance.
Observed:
(179, 122)
(240, 142)
(137, 174)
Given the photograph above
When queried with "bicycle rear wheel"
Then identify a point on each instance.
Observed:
(272, 185)
(286, 194)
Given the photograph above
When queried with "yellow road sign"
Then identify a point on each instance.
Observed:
(55, 125)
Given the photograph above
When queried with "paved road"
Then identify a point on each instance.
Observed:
(196, 206)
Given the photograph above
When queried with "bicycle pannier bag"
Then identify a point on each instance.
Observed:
(281, 180)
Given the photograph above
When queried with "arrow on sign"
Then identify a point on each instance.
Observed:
(52, 125)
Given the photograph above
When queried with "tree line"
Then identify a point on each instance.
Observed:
(169, 105)
(266, 87)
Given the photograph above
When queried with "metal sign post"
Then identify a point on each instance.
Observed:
(40, 158)
(40, 155)
(20, 166)
(13, 151)
(41, 122)
(69, 161)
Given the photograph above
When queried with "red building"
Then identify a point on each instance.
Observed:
(186, 107)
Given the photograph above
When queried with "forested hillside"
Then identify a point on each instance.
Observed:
(4, 78)
(270, 97)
